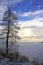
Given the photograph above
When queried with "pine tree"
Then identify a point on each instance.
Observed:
(10, 22)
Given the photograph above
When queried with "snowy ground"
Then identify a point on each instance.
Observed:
(5, 61)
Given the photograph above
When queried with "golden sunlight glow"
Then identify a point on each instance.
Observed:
(27, 32)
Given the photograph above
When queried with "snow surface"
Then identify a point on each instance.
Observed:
(5, 61)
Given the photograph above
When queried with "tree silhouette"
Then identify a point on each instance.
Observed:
(10, 21)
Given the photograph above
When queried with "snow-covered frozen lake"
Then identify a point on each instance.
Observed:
(30, 49)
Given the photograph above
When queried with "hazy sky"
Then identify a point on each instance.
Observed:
(29, 13)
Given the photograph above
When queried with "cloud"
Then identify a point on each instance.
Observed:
(35, 14)
(2, 10)
(9, 2)
(35, 25)
(32, 23)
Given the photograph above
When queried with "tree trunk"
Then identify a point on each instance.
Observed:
(7, 33)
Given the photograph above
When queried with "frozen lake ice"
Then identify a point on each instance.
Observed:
(30, 49)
